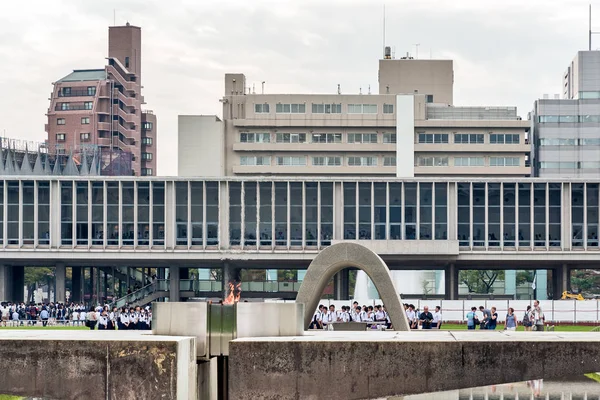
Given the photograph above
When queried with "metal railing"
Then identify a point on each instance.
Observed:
(270, 286)
(72, 107)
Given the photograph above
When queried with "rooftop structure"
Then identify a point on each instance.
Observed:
(411, 128)
(102, 107)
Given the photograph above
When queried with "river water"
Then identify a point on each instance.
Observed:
(580, 388)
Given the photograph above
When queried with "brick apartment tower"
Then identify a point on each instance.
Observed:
(103, 107)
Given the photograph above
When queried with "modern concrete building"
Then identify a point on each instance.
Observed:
(410, 129)
(109, 225)
(196, 133)
(103, 108)
(566, 132)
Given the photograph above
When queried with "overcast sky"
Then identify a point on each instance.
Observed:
(507, 52)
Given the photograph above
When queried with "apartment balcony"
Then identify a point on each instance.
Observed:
(317, 147)
(104, 126)
(72, 107)
(127, 132)
(78, 93)
(312, 170)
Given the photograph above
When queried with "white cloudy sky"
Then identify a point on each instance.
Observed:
(506, 52)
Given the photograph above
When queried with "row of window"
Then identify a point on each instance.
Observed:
(300, 108)
(568, 119)
(73, 92)
(442, 161)
(330, 161)
(147, 126)
(62, 121)
(301, 213)
(469, 138)
(87, 105)
(569, 164)
(84, 137)
(265, 137)
(568, 142)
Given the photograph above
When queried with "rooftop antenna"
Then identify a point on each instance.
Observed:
(590, 32)
(263, 87)
(253, 90)
(384, 29)
(360, 90)
(369, 88)
(417, 52)
(339, 89)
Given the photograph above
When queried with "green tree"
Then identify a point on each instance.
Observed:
(34, 276)
(480, 281)
(524, 277)
(583, 280)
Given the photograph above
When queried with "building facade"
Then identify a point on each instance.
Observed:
(103, 108)
(566, 132)
(419, 133)
(446, 224)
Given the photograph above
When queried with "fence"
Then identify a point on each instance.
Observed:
(556, 311)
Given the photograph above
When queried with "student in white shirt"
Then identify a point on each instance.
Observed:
(123, 322)
(364, 316)
(437, 318)
(411, 315)
(82, 316)
(103, 321)
(75, 317)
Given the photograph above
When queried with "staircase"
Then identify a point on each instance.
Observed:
(145, 295)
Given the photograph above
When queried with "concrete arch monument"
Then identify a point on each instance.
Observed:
(343, 255)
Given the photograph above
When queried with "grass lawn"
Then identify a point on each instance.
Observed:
(39, 326)
(557, 328)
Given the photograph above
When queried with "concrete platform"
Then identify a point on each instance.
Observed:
(93, 365)
(370, 365)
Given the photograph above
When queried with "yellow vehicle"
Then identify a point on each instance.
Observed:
(567, 295)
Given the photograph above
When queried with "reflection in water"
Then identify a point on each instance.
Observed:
(582, 388)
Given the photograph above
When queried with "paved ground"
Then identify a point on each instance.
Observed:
(84, 335)
(434, 336)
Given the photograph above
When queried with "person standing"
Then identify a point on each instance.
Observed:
(437, 318)
(472, 319)
(538, 316)
(92, 319)
(511, 320)
(425, 318)
(491, 325)
(487, 314)
(44, 315)
(527, 319)
(410, 316)
(123, 320)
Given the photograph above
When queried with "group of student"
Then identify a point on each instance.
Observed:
(375, 316)
(425, 319)
(533, 318)
(101, 317)
(134, 318)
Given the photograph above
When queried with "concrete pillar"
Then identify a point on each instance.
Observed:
(341, 285)
(561, 280)
(60, 274)
(451, 280)
(17, 283)
(230, 274)
(541, 284)
(510, 281)
(174, 284)
(76, 284)
(5, 286)
(207, 379)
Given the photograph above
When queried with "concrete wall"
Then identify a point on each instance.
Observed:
(427, 77)
(361, 365)
(405, 136)
(98, 365)
(200, 146)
